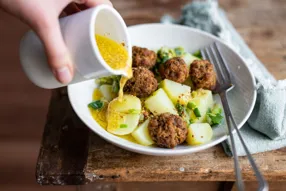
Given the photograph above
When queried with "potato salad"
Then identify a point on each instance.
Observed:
(167, 102)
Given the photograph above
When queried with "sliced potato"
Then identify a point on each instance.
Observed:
(203, 100)
(121, 118)
(141, 134)
(199, 133)
(106, 91)
(128, 103)
(177, 92)
(159, 103)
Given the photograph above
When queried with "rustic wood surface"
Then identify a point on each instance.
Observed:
(67, 158)
(65, 144)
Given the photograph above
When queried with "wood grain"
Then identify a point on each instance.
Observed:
(63, 153)
(107, 162)
(66, 157)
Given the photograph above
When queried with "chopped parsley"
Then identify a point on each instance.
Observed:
(215, 119)
(214, 116)
(198, 54)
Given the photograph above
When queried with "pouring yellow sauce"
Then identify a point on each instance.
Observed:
(123, 81)
(116, 56)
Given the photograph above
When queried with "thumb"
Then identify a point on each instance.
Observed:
(58, 56)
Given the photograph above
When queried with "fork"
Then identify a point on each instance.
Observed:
(224, 84)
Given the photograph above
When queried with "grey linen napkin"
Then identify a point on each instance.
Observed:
(265, 130)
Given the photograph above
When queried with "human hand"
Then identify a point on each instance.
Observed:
(42, 16)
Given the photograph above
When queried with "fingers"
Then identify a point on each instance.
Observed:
(93, 3)
(79, 5)
(72, 8)
(56, 50)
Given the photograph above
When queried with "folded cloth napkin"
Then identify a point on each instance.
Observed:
(266, 128)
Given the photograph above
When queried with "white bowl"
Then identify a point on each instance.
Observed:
(154, 36)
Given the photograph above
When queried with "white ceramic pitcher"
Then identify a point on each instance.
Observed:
(78, 31)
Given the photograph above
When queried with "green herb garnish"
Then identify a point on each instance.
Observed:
(180, 109)
(197, 112)
(105, 80)
(123, 125)
(98, 104)
(214, 116)
(191, 105)
(191, 121)
(110, 80)
(194, 94)
(198, 54)
(115, 86)
(165, 54)
(133, 111)
(216, 109)
(179, 51)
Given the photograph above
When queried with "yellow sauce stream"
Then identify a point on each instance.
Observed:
(116, 56)
(124, 79)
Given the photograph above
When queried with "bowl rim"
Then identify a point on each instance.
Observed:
(172, 152)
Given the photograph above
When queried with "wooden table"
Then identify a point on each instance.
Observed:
(71, 154)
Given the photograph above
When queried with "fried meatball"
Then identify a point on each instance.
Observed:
(203, 75)
(143, 57)
(174, 69)
(142, 84)
(168, 130)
